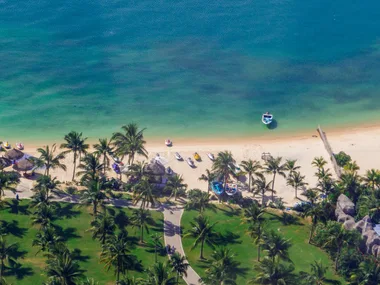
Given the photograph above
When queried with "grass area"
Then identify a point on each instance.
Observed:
(233, 234)
(75, 222)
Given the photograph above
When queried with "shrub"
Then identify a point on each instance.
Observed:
(342, 158)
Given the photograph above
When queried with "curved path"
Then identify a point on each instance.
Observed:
(172, 221)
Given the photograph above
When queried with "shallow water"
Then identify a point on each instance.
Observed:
(186, 68)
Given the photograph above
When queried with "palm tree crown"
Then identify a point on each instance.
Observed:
(50, 160)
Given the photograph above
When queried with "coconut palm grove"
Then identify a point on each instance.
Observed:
(110, 224)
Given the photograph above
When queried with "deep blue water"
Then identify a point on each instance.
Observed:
(185, 68)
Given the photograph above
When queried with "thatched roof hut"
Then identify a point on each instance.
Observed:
(24, 165)
(14, 154)
(155, 168)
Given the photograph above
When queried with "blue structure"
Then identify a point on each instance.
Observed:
(217, 187)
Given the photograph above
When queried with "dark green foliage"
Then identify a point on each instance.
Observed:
(342, 158)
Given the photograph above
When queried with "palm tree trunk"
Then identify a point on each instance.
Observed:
(262, 198)
(95, 208)
(75, 162)
(142, 234)
(177, 281)
(337, 259)
(155, 253)
(296, 190)
(104, 164)
(1, 268)
(249, 182)
(311, 233)
(118, 272)
(201, 256)
(274, 178)
(258, 252)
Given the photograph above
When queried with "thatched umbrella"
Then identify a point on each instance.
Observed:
(14, 154)
(23, 165)
(4, 162)
(155, 168)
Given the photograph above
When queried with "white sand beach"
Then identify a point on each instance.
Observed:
(363, 144)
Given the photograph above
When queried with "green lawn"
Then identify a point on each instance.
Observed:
(75, 222)
(234, 236)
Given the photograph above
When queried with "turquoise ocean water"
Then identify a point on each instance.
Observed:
(186, 68)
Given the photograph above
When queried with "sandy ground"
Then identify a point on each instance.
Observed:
(363, 144)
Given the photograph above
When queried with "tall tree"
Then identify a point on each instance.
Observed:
(256, 231)
(156, 241)
(208, 177)
(7, 182)
(276, 246)
(137, 170)
(46, 239)
(179, 265)
(262, 186)
(319, 162)
(223, 267)
(94, 194)
(142, 218)
(159, 274)
(103, 227)
(6, 255)
(103, 149)
(90, 167)
(316, 214)
(43, 216)
(63, 270)
(296, 180)
(368, 273)
(224, 165)
(274, 273)
(50, 160)
(116, 254)
(197, 199)
(317, 275)
(144, 192)
(291, 167)
(253, 213)
(372, 179)
(250, 167)
(203, 232)
(75, 143)
(130, 142)
(176, 186)
(274, 166)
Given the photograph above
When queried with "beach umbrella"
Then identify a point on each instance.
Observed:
(4, 162)
(14, 154)
(155, 168)
(23, 165)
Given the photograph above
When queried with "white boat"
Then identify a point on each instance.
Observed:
(190, 162)
(231, 189)
(6, 145)
(211, 156)
(19, 146)
(168, 142)
(178, 156)
(267, 118)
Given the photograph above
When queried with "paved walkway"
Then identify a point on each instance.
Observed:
(172, 221)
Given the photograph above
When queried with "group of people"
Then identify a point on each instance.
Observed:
(170, 249)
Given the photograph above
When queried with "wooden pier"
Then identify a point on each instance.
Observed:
(323, 137)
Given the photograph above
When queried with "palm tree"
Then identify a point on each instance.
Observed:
(262, 186)
(7, 182)
(50, 160)
(336, 237)
(368, 273)
(103, 227)
(253, 213)
(274, 273)
(208, 178)
(175, 185)
(46, 239)
(276, 246)
(223, 268)
(296, 180)
(351, 167)
(94, 195)
(274, 166)
(43, 216)
(130, 143)
(250, 167)
(159, 274)
(156, 241)
(130, 281)
(75, 143)
(89, 282)
(142, 218)
(137, 170)
(316, 275)
(311, 195)
(323, 174)
(103, 148)
(116, 254)
(6, 255)
(63, 270)
(144, 192)
(90, 166)
(203, 232)
(372, 179)
(198, 199)
(224, 165)
(179, 265)
(290, 165)
(39, 199)
(319, 162)
(256, 231)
